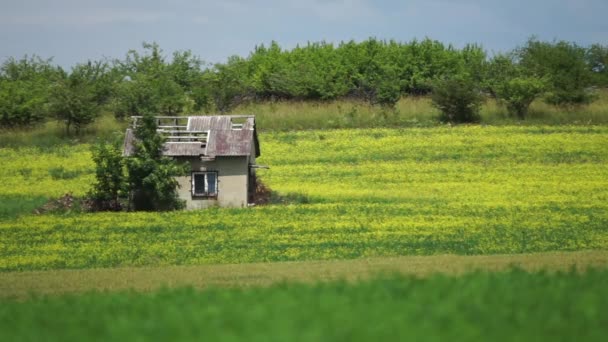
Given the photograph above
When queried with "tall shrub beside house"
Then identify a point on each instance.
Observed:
(109, 188)
(144, 181)
(150, 175)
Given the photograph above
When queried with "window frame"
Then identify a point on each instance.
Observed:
(206, 180)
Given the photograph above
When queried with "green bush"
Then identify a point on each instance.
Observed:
(518, 93)
(110, 179)
(151, 176)
(458, 99)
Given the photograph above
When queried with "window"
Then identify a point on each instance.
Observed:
(204, 183)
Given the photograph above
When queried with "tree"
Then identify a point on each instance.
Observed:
(226, 84)
(73, 102)
(377, 79)
(564, 67)
(151, 176)
(152, 85)
(458, 99)
(474, 61)
(100, 79)
(386, 90)
(596, 57)
(110, 179)
(518, 93)
(21, 104)
(24, 87)
(133, 98)
(500, 68)
(271, 76)
(511, 85)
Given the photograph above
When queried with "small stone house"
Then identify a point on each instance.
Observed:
(221, 151)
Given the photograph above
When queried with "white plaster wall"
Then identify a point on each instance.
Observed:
(232, 183)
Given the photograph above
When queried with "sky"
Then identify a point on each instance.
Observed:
(74, 31)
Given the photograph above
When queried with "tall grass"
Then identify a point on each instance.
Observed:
(541, 113)
(52, 133)
(298, 115)
(409, 112)
(304, 115)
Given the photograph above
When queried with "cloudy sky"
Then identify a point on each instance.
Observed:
(73, 31)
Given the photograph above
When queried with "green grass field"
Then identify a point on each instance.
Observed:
(503, 306)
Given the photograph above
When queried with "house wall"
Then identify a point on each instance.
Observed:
(232, 182)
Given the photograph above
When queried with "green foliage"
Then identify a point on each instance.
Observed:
(458, 99)
(563, 65)
(597, 61)
(133, 98)
(24, 88)
(73, 99)
(100, 79)
(110, 179)
(226, 85)
(479, 306)
(271, 75)
(518, 93)
(20, 104)
(152, 85)
(150, 179)
(375, 71)
(377, 80)
(500, 69)
(474, 62)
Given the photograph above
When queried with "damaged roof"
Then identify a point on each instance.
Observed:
(208, 136)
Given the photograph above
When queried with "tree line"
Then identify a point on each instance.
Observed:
(380, 72)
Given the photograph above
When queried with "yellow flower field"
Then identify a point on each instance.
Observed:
(351, 193)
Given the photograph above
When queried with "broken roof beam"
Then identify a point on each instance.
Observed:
(171, 121)
(185, 136)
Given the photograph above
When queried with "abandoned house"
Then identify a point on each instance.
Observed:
(221, 151)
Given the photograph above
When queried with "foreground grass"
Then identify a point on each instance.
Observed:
(358, 193)
(24, 284)
(504, 306)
